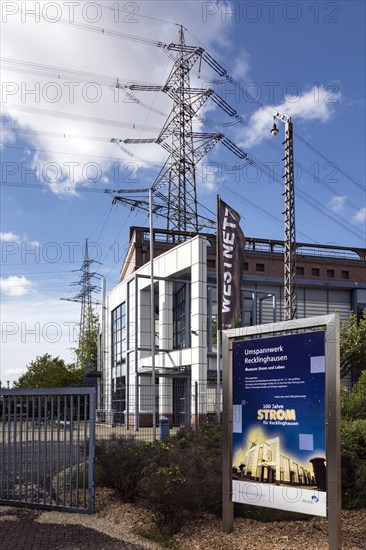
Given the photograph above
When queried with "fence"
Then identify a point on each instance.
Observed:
(123, 412)
(47, 441)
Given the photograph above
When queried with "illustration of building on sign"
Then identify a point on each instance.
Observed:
(263, 462)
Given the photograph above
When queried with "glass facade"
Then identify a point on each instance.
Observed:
(181, 316)
(119, 348)
(211, 319)
(119, 399)
(119, 334)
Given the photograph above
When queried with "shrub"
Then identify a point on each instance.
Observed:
(163, 489)
(353, 438)
(186, 480)
(202, 470)
(353, 406)
(121, 463)
(210, 437)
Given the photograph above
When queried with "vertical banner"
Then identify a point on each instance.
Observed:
(230, 264)
(279, 450)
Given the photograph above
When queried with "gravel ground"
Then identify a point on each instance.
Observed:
(120, 520)
(250, 534)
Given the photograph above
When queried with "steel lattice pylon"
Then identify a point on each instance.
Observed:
(85, 296)
(182, 180)
(185, 147)
(290, 301)
(182, 193)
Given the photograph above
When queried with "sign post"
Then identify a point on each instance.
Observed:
(281, 421)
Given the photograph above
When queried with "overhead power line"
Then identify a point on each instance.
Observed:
(80, 118)
(221, 71)
(96, 30)
(237, 81)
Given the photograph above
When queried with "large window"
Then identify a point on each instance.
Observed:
(119, 399)
(211, 319)
(181, 316)
(118, 361)
(156, 315)
(119, 335)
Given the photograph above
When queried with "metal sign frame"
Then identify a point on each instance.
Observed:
(330, 325)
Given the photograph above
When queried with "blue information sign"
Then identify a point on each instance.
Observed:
(279, 458)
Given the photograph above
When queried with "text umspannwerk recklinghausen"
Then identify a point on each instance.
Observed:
(262, 356)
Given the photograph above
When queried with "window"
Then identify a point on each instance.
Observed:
(118, 358)
(345, 274)
(181, 314)
(330, 273)
(360, 311)
(211, 318)
(119, 334)
(119, 399)
(246, 266)
(259, 267)
(156, 316)
(300, 270)
(315, 271)
(211, 264)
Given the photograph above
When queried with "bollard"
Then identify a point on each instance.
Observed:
(164, 427)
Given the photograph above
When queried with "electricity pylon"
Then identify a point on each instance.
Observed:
(85, 295)
(185, 147)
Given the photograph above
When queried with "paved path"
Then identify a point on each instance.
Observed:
(20, 531)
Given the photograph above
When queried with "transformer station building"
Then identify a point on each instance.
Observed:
(329, 278)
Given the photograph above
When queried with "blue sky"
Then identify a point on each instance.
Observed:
(306, 59)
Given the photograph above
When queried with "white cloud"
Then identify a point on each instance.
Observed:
(311, 105)
(241, 65)
(360, 216)
(16, 286)
(210, 178)
(81, 101)
(9, 237)
(336, 204)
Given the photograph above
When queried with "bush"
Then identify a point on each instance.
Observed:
(121, 462)
(210, 437)
(163, 490)
(186, 481)
(353, 438)
(353, 406)
(176, 478)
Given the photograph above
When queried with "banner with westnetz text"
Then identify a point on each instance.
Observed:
(279, 458)
(230, 259)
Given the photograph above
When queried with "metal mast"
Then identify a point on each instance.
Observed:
(290, 291)
(182, 181)
(185, 147)
(85, 296)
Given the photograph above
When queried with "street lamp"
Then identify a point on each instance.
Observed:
(290, 298)
(152, 297)
(274, 130)
(152, 313)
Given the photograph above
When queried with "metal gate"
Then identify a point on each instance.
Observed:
(47, 443)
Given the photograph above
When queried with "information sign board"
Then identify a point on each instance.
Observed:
(278, 446)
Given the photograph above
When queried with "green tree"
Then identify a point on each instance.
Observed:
(353, 343)
(50, 372)
(87, 350)
(238, 324)
(354, 404)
